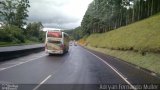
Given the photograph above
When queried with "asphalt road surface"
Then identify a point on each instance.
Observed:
(79, 69)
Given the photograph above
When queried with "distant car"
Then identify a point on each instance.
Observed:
(75, 43)
(70, 44)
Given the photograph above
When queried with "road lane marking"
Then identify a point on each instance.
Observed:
(42, 82)
(21, 63)
(114, 69)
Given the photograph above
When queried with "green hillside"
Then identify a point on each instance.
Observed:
(142, 36)
(138, 43)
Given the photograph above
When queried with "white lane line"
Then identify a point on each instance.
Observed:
(114, 69)
(21, 63)
(42, 82)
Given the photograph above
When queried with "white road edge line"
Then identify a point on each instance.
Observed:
(42, 82)
(20, 63)
(114, 69)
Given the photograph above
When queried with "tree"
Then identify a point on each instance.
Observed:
(21, 13)
(34, 31)
(8, 8)
(14, 12)
(106, 15)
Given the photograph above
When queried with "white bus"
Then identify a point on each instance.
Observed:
(57, 42)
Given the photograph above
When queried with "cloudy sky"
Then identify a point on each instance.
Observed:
(64, 14)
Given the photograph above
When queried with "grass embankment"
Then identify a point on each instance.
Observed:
(137, 43)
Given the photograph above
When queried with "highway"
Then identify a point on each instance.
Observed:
(79, 69)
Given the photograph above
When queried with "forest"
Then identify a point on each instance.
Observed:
(106, 15)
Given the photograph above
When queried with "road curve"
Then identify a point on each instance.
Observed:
(79, 69)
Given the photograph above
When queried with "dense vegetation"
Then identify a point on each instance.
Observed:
(143, 36)
(138, 43)
(13, 13)
(119, 28)
(75, 34)
(106, 15)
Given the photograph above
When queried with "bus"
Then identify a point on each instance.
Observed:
(56, 42)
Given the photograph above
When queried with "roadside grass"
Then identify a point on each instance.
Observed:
(150, 61)
(142, 36)
(137, 43)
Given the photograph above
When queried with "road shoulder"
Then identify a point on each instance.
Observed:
(129, 70)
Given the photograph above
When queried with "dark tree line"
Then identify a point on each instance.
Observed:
(75, 34)
(105, 15)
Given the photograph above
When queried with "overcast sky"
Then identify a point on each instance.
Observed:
(64, 14)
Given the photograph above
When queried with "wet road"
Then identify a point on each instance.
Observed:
(79, 69)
